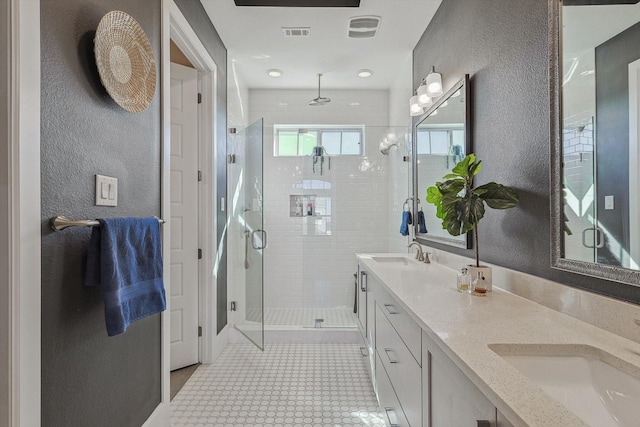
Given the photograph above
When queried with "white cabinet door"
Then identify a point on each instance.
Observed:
(454, 401)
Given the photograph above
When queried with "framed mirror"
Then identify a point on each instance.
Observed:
(441, 138)
(595, 146)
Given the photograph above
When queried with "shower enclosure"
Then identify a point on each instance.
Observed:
(246, 235)
(324, 198)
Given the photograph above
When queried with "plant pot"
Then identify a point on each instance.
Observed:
(486, 273)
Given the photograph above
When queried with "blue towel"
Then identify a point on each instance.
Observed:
(422, 226)
(125, 260)
(406, 220)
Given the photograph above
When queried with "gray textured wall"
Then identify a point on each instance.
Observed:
(199, 21)
(612, 134)
(502, 44)
(89, 379)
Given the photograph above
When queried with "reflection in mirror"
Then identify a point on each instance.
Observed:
(594, 138)
(600, 82)
(441, 139)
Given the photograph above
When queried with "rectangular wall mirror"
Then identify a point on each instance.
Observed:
(595, 93)
(441, 138)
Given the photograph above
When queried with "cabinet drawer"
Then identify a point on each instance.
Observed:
(389, 404)
(402, 322)
(403, 370)
(454, 400)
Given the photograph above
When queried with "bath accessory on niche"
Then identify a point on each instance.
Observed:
(319, 153)
(125, 61)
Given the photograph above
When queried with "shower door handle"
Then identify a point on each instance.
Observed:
(363, 281)
(263, 241)
(598, 238)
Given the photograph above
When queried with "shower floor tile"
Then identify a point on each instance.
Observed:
(287, 385)
(341, 317)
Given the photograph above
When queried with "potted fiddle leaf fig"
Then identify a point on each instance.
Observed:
(460, 206)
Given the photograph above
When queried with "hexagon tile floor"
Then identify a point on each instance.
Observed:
(289, 385)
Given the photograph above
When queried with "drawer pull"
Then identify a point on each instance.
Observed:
(391, 309)
(363, 351)
(363, 281)
(483, 423)
(389, 412)
(389, 353)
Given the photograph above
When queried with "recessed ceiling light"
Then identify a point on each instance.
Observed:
(365, 73)
(275, 73)
(354, 104)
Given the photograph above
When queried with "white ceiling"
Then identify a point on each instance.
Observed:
(255, 42)
(585, 27)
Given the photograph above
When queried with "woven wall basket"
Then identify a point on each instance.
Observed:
(125, 61)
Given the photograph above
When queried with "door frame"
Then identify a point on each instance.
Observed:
(186, 39)
(176, 27)
(20, 325)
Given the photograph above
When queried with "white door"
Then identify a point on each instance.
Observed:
(184, 216)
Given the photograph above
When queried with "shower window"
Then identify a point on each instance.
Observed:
(439, 141)
(298, 140)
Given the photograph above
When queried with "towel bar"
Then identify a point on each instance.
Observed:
(59, 223)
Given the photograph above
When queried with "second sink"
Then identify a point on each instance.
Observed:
(597, 392)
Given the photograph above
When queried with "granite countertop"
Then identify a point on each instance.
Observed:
(464, 326)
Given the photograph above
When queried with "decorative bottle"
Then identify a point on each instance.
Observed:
(464, 281)
(479, 286)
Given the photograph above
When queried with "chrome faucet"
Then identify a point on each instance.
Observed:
(419, 254)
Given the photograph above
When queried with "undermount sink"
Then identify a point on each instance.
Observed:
(597, 392)
(395, 259)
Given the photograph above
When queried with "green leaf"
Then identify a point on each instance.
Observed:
(434, 196)
(449, 214)
(497, 196)
(452, 176)
(475, 168)
(462, 168)
(470, 211)
(452, 186)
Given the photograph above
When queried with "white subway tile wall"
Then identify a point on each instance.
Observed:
(310, 263)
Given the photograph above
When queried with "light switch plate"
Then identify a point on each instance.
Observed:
(106, 191)
(608, 203)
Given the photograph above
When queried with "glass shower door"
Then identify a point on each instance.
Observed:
(247, 230)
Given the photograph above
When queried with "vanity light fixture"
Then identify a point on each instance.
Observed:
(434, 83)
(275, 73)
(423, 97)
(365, 73)
(414, 106)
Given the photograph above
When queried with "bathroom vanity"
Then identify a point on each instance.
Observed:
(439, 358)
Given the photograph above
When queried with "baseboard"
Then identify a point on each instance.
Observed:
(160, 417)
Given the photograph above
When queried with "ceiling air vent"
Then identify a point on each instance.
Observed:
(362, 27)
(296, 31)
